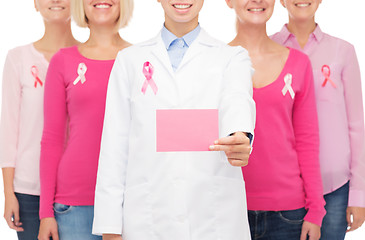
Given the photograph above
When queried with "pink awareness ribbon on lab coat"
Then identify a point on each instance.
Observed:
(81, 70)
(35, 72)
(148, 72)
(327, 73)
(288, 80)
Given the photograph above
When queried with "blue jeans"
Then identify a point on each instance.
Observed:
(75, 222)
(29, 216)
(272, 225)
(334, 224)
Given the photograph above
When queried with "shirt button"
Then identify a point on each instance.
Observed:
(181, 43)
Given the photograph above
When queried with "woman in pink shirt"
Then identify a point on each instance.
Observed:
(74, 99)
(22, 117)
(337, 86)
(284, 197)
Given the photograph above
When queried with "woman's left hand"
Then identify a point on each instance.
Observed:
(237, 148)
(311, 230)
(355, 217)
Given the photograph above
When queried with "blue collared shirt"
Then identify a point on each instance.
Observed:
(177, 47)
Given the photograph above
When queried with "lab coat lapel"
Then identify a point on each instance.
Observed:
(200, 44)
(160, 52)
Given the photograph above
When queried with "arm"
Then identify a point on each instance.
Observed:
(109, 194)
(305, 124)
(11, 210)
(9, 128)
(52, 144)
(355, 115)
(237, 111)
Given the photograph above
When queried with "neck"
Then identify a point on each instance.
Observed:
(56, 36)
(181, 29)
(252, 37)
(104, 37)
(302, 30)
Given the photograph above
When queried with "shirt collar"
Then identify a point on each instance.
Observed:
(168, 37)
(318, 34)
(285, 34)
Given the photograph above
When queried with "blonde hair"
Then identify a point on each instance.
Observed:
(79, 16)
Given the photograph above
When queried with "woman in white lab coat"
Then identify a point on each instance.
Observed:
(145, 194)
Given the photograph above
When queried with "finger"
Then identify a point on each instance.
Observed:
(312, 237)
(236, 139)
(16, 218)
(238, 163)
(355, 225)
(348, 218)
(40, 237)
(238, 156)
(55, 235)
(303, 235)
(231, 148)
(10, 222)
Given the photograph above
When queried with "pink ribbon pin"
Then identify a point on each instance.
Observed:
(81, 70)
(148, 72)
(35, 72)
(288, 80)
(327, 73)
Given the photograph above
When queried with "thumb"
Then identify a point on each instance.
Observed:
(16, 217)
(348, 217)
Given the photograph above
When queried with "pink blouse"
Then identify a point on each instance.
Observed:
(22, 116)
(339, 101)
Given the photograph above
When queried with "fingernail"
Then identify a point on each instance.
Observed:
(211, 147)
(216, 142)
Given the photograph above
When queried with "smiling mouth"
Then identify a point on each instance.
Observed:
(102, 5)
(182, 6)
(256, 9)
(56, 8)
(302, 4)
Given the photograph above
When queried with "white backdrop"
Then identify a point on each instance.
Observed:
(21, 24)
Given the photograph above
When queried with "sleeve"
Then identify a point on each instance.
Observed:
(355, 116)
(109, 194)
(10, 113)
(237, 111)
(53, 138)
(305, 123)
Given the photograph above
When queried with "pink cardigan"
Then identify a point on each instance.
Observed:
(283, 171)
(75, 94)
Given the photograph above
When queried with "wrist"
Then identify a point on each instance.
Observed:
(9, 193)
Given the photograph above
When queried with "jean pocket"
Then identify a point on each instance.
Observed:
(61, 208)
(293, 216)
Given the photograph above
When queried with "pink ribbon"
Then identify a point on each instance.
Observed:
(327, 73)
(81, 70)
(35, 72)
(288, 80)
(148, 72)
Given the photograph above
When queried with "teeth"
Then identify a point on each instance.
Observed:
(182, 6)
(56, 8)
(102, 6)
(302, 4)
(256, 9)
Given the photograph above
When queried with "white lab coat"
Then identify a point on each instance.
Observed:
(148, 195)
